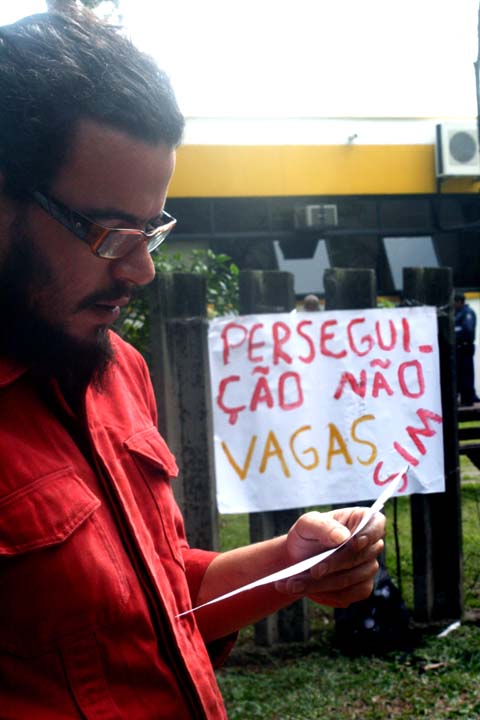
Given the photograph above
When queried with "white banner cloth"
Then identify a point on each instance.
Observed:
(322, 407)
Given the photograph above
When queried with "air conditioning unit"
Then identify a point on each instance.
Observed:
(316, 216)
(456, 151)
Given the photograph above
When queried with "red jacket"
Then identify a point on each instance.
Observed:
(94, 564)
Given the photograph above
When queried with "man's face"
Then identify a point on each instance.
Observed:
(66, 290)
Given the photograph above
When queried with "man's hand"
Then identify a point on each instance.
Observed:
(344, 577)
(347, 575)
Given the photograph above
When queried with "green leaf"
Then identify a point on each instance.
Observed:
(222, 291)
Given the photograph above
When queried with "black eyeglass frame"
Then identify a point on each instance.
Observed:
(104, 242)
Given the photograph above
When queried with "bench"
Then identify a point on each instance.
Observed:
(469, 437)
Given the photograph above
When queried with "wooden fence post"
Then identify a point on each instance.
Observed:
(350, 289)
(273, 292)
(179, 342)
(436, 518)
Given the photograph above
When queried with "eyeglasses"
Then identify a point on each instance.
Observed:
(105, 242)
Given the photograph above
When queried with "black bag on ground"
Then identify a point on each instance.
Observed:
(379, 624)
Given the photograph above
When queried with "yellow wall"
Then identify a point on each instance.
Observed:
(236, 171)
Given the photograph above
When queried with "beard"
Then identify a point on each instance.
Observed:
(28, 338)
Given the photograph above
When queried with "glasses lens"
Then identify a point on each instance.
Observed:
(155, 240)
(117, 244)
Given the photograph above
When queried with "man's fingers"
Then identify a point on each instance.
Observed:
(346, 587)
(344, 598)
(308, 584)
(319, 529)
(344, 578)
(346, 558)
(315, 531)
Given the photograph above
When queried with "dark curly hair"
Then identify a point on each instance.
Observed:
(56, 70)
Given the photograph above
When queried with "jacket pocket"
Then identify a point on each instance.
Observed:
(156, 464)
(45, 512)
(59, 573)
(148, 445)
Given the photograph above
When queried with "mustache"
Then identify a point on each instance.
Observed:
(120, 290)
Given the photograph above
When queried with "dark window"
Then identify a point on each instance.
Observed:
(247, 254)
(450, 213)
(282, 211)
(356, 242)
(356, 213)
(193, 214)
(405, 214)
(300, 245)
(360, 251)
(241, 215)
(461, 252)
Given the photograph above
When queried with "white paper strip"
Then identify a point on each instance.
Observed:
(316, 559)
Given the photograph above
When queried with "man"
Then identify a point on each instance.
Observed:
(311, 303)
(94, 565)
(465, 323)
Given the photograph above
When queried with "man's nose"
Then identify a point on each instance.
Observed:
(136, 267)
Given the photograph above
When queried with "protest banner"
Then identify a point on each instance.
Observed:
(319, 408)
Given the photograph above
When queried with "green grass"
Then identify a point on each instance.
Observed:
(438, 680)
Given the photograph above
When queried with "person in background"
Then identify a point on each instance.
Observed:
(311, 303)
(465, 325)
(95, 568)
